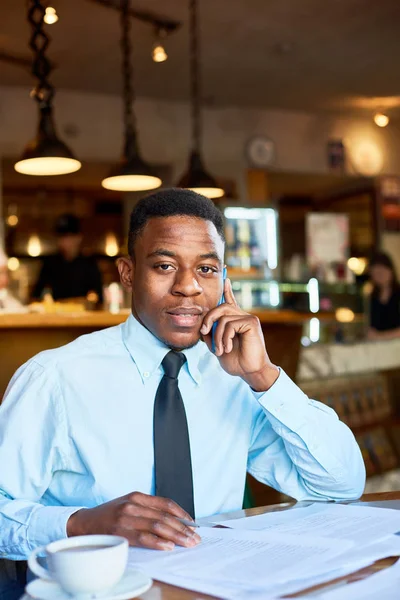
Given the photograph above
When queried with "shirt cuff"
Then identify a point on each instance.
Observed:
(49, 524)
(285, 401)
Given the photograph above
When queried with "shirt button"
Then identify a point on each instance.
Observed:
(146, 374)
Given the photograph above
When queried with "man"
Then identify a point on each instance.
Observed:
(69, 274)
(90, 432)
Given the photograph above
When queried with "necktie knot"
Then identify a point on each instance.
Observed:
(172, 363)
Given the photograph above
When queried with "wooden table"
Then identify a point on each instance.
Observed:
(162, 591)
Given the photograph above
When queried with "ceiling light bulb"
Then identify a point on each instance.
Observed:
(34, 246)
(381, 120)
(131, 183)
(50, 16)
(209, 192)
(47, 165)
(13, 263)
(159, 54)
(12, 220)
(111, 246)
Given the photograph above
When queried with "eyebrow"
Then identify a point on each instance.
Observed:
(164, 252)
(210, 255)
(161, 252)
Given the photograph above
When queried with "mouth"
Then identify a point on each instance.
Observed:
(185, 316)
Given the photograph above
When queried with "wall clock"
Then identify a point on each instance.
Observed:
(260, 151)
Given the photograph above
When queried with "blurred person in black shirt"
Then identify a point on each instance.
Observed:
(69, 274)
(385, 299)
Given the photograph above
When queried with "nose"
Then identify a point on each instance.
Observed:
(186, 284)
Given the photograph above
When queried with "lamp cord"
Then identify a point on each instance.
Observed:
(195, 79)
(127, 73)
(43, 92)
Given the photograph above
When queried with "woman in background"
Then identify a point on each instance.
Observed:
(385, 299)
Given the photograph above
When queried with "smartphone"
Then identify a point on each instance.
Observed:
(221, 301)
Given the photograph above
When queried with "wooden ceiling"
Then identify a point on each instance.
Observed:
(305, 55)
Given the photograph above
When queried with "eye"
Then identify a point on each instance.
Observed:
(207, 270)
(164, 267)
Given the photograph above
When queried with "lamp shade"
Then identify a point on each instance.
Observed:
(132, 174)
(198, 180)
(47, 154)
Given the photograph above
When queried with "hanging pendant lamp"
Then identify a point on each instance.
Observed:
(132, 173)
(46, 154)
(196, 177)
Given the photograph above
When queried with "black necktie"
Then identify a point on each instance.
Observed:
(173, 465)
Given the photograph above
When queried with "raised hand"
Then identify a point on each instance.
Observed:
(239, 343)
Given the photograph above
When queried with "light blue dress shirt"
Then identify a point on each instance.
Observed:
(76, 430)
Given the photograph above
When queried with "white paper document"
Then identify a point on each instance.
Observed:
(229, 562)
(384, 585)
(265, 556)
(349, 562)
(360, 524)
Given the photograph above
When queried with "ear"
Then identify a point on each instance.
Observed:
(125, 269)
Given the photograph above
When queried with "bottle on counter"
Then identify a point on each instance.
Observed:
(113, 298)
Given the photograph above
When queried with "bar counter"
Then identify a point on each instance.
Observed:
(101, 318)
(90, 319)
(22, 335)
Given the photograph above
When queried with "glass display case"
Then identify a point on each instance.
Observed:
(309, 297)
(337, 312)
(251, 242)
(260, 282)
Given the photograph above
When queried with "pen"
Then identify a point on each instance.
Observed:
(189, 523)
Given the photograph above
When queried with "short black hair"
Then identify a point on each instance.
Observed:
(67, 224)
(171, 202)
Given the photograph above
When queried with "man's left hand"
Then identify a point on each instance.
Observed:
(239, 343)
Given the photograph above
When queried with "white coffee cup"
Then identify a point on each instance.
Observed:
(84, 565)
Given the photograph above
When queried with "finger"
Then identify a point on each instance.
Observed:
(215, 314)
(139, 511)
(144, 539)
(207, 339)
(228, 293)
(223, 322)
(237, 325)
(159, 528)
(154, 522)
(161, 504)
(227, 338)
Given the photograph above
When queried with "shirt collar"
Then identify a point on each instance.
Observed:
(148, 351)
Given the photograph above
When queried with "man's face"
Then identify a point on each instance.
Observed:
(175, 277)
(69, 244)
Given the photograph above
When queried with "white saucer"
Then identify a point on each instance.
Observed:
(131, 585)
